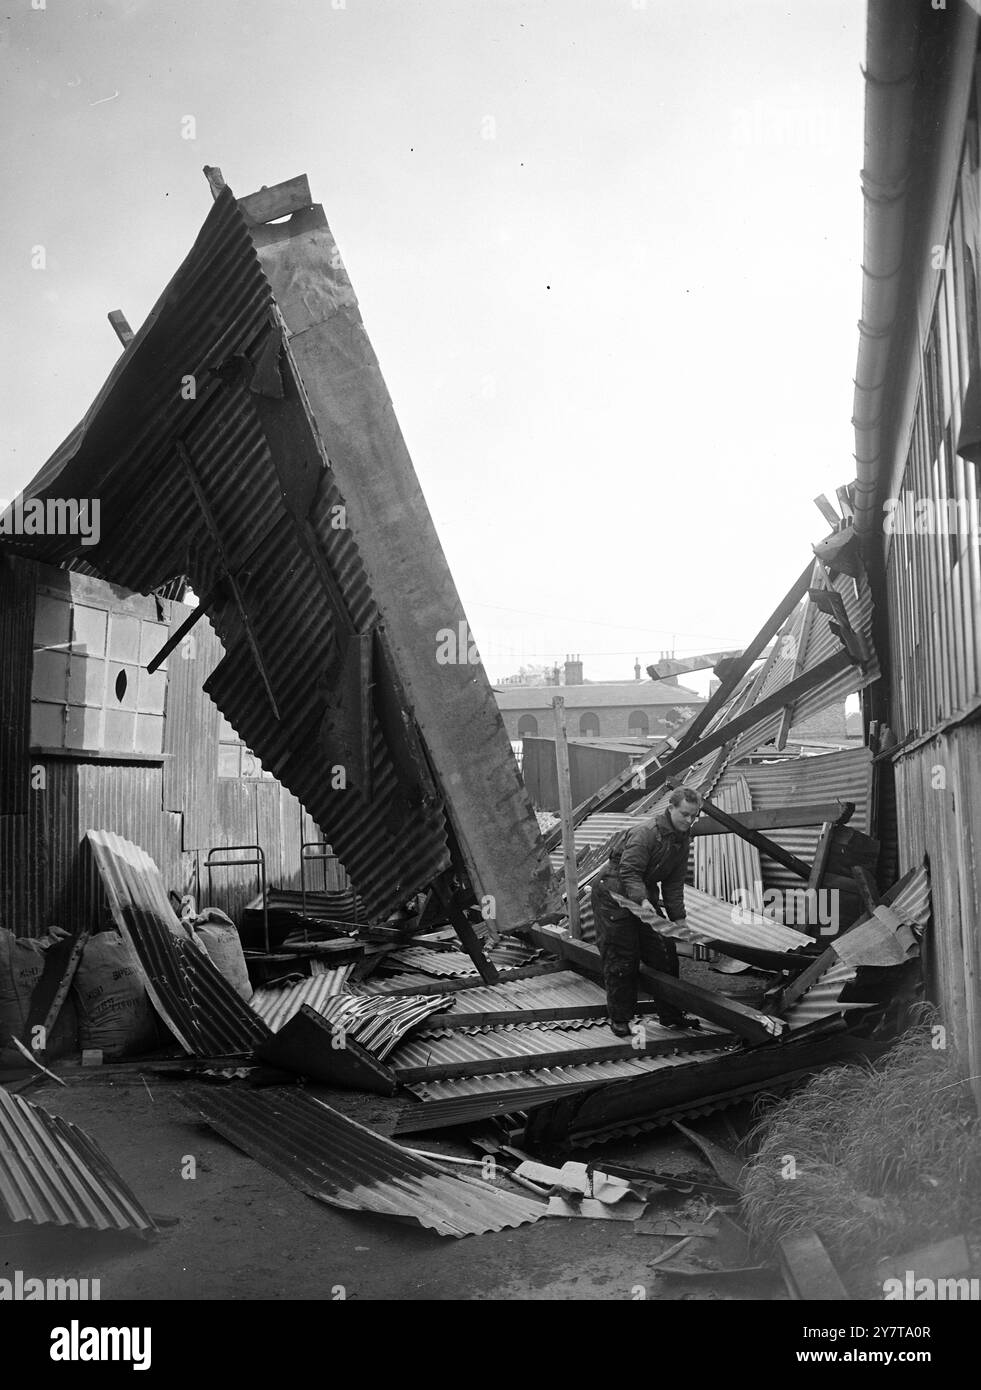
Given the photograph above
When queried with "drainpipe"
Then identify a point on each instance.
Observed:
(889, 82)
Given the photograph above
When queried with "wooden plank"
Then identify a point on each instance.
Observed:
(778, 818)
(41, 994)
(728, 1013)
(216, 179)
(807, 1269)
(496, 1017)
(867, 887)
(120, 326)
(216, 535)
(817, 869)
(689, 737)
(282, 199)
(845, 502)
(562, 1057)
(787, 717)
(827, 511)
(469, 939)
(565, 816)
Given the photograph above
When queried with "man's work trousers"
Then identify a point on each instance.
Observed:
(625, 941)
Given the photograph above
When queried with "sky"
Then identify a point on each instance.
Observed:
(608, 253)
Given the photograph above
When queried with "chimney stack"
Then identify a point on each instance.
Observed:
(636, 668)
(573, 670)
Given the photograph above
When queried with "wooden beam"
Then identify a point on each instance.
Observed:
(728, 1013)
(565, 816)
(469, 939)
(495, 1018)
(762, 842)
(807, 1269)
(42, 994)
(121, 327)
(689, 737)
(816, 872)
(280, 200)
(216, 180)
(843, 495)
(786, 719)
(867, 887)
(177, 637)
(779, 818)
(786, 697)
(827, 511)
(212, 525)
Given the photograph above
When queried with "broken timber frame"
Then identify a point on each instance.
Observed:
(748, 1023)
(689, 747)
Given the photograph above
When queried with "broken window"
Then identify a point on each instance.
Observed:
(235, 759)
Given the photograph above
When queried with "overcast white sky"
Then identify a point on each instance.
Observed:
(608, 254)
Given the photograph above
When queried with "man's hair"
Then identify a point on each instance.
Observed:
(684, 794)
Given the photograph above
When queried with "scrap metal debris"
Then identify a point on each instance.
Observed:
(53, 1172)
(345, 1164)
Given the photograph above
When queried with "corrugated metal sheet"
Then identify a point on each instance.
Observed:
(52, 1172)
(573, 1073)
(714, 920)
(722, 864)
(910, 907)
(377, 1022)
(414, 982)
(940, 816)
(524, 1042)
(276, 1006)
(542, 991)
(845, 776)
(824, 997)
(454, 964)
(205, 1014)
(17, 588)
(346, 1165)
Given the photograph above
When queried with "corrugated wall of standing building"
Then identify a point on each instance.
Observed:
(175, 807)
(921, 504)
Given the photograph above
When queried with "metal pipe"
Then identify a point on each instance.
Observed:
(889, 77)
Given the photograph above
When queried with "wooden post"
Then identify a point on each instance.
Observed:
(565, 815)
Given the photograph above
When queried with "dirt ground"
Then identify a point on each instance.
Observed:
(238, 1231)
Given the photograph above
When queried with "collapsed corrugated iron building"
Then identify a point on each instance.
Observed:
(246, 443)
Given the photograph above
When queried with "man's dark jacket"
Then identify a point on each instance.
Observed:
(654, 853)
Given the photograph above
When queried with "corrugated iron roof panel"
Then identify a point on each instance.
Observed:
(206, 1015)
(277, 1005)
(343, 1163)
(571, 1074)
(51, 1171)
(522, 1041)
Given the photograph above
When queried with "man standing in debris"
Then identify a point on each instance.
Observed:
(649, 869)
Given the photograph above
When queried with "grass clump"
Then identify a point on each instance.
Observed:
(874, 1159)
